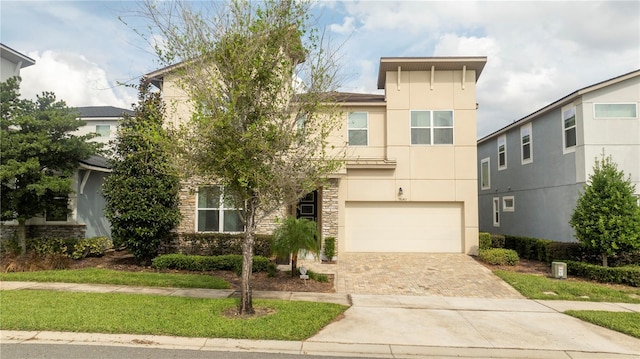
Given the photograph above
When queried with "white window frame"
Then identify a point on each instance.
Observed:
(221, 210)
(526, 130)
(496, 211)
(100, 134)
(566, 110)
(505, 205)
(485, 186)
(432, 128)
(502, 141)
(366, 129)
(615, 117)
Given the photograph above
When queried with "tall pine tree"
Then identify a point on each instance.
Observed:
(39, 156)
(142, 190)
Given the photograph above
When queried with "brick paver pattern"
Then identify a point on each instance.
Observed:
(422, 274)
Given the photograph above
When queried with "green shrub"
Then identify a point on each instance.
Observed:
(497, 241)
(529, 248)
(330, 247)
(272, 269)
(91, 247)
(499, 256)
(229, 262)
(322, 278)
(484, 240)
(51, 246)
(627, 275)
(217, 244)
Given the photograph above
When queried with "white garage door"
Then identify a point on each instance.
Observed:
(403, 227)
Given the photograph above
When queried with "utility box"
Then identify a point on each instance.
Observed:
(559, 270)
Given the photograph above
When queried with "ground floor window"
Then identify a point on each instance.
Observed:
(215, 214)
(496, 212)
(58, 209)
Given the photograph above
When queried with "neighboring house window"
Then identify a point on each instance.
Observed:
(58, 210)
(569, 129)
(496, 212)
(525, 141)
(502, 152)
(432, 127)
(508, 204)
(615, 110)
(214, 215)
(358, 125)
(485, 178)
(300, 128)
(103, 130)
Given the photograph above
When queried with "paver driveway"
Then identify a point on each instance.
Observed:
(425, 274)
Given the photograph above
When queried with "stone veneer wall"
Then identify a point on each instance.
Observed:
(329, 210)
(76, 231)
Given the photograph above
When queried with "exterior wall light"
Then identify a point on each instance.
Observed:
(400, 192)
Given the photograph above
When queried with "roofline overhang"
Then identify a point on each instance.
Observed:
(561, 102)
(17, 57)
(475, 63)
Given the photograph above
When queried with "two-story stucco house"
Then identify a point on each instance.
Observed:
(409, 181)
(532, 172)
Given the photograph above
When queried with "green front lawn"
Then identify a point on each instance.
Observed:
(108, 276)
(539, 287)
(160, 315)
(624, 322)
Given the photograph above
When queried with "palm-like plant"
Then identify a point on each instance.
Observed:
(294, 235)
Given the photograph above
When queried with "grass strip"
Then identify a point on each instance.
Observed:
(160, 315)
(624, 322)
(539, 287)
(109, 276)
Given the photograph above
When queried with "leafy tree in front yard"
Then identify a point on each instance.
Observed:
(39, 155)
(142, 190)
(294, 235)
(607, 217)
(258, 75)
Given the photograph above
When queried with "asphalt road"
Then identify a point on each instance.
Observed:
(66, 351)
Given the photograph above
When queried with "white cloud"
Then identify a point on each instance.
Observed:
(346, 28)
(74, 79)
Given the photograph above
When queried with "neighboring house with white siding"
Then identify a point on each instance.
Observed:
(11, 62)
(409, 183)
(532, 171)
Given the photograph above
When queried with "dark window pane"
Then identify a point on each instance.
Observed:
(357, 137)
(526, 152)
(443, 136)
(232, 221)
(58, 210)
(570, 137)
(209, 197)
(208, 221)
(501, 159)
(420, 136)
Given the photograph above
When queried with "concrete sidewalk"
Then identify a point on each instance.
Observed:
(392, 327)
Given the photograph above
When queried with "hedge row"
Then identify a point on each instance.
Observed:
(232, 262)
(217, 244)
(67, 247)
(627, 275)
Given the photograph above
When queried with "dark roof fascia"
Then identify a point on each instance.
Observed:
(425, 63)
(96, 163)
(561, 102)
(87, 112)
(15, 56)
(358, 99)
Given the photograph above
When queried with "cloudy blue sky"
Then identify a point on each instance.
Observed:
(538, 51)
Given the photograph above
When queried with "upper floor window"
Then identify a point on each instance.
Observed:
(358, 125)
(502, 152)
(485, 179)
(508, 204)
(432, 127)
(214, 214)
(615, 110)
(525, 141)
(103, 130)
(569, 129)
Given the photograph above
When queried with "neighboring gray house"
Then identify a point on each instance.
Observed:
(90, 203)
(11, 62)
(532, 172)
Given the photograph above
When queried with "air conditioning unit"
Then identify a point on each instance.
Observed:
(559, 270)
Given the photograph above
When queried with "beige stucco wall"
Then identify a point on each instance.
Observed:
(426, 173)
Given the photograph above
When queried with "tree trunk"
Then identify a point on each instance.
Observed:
(21, 231)
(604, 260)
(294, 264)
(246, 300)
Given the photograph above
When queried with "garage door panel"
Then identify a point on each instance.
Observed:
(403, 227)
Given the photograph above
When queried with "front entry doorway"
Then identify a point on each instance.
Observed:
(307, 207)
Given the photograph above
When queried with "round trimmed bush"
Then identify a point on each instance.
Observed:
(499, 256)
